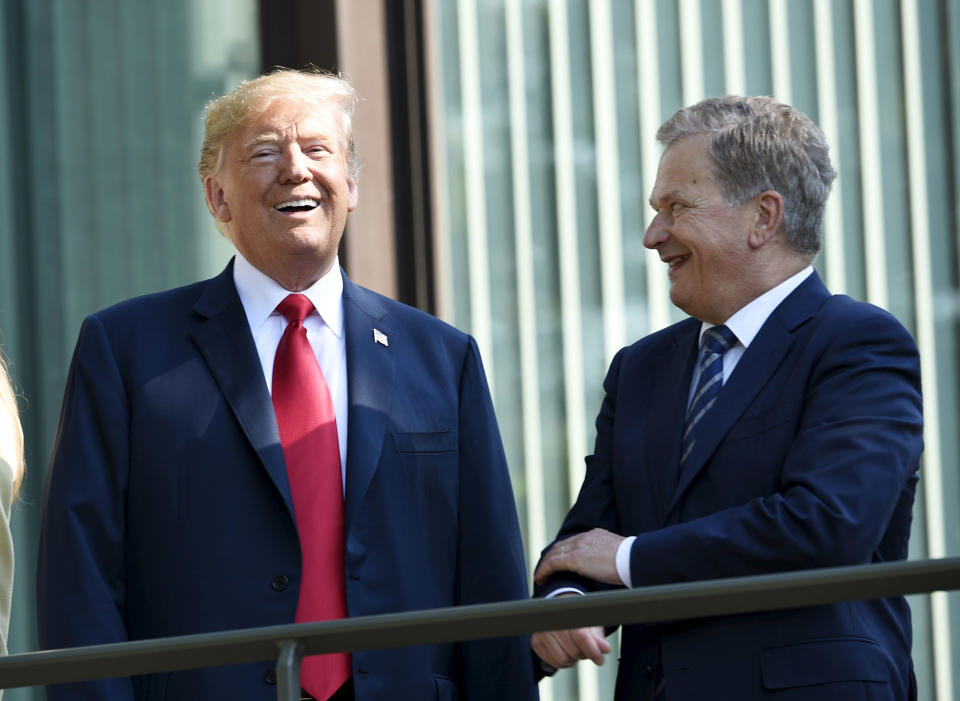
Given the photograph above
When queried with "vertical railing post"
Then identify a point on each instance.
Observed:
(288, 671)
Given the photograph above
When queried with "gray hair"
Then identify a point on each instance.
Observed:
(759, 144)
(226, 115)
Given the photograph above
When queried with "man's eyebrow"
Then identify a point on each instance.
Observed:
(664, 197)
(261, 139)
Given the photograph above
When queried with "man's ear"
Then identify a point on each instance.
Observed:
(769, 217)
(216, 200)
(353, 188)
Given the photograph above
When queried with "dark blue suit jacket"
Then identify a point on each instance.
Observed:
(167, 509)
(810, 461)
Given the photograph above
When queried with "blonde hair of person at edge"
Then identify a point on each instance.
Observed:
(11, 473)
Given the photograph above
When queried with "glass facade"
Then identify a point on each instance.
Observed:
(546, 113)
(100, 116)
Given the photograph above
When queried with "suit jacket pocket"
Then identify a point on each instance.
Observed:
(758, 423)
(425, 442)
(823, 661)
(446, 688)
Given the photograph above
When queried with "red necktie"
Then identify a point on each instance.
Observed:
(308, 436)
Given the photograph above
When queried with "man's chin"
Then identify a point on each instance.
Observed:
(309, 241)
(677, 296)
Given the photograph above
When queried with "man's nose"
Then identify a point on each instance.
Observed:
(656, 233)
(295, 166)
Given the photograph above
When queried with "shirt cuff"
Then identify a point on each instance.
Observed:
(623, 560)
(563, 590)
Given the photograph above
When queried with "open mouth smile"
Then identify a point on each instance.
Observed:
(306, 204)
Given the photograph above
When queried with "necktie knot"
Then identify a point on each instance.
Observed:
(718, 339)
(295, 307)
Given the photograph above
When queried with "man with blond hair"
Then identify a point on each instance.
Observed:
(278, 444)
(777, 428)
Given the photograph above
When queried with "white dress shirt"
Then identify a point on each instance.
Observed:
(260, 295)
(745, 324)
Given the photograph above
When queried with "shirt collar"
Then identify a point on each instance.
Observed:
(746, 322)
(260, 294)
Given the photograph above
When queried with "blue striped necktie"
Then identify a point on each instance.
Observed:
(716, 341)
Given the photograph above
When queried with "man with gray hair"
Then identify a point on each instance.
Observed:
(778, 428)
(279, 444)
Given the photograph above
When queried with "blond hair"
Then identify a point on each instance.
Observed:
(8, 404)
(226, 115)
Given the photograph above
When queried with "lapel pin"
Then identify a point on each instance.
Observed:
(380, 337)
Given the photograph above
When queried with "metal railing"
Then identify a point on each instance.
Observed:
(287, 644)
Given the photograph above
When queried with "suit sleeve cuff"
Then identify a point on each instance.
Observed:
(623, 560)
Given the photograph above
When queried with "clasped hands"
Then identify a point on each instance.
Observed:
(594, 555)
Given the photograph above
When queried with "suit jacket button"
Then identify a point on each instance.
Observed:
(280, 582)
(648, 670)
(270, 677)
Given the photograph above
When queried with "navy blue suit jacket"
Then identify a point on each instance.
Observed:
(810, 461)
(167, 509)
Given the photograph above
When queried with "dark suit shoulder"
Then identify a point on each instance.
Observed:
(402, 316)
(845, 308)
(140, 331)
(150, 308)
(842, 317)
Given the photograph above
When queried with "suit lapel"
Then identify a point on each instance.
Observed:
(226, 345)
(370, 371)
(753, 371)
(668, 406)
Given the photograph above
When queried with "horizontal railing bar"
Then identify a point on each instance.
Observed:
(643, 605)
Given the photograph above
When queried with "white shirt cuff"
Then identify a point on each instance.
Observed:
(623, 560)
(563, 590)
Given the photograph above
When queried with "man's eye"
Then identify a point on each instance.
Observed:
(676, 207)
(317, 150)
(264, 153)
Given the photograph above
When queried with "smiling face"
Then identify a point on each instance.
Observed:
(283, 190)
(704, 240)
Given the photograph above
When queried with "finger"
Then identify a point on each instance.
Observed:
(580, 644)
(601, 639)
(566, 644)
(589, 644)
(556, 558)
(543, 571)
(540, 646)
(564, 660)
(547, 648)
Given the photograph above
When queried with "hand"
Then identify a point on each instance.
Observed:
(592, 554)
(564, 648)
